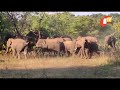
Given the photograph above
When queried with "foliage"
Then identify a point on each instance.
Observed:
(20, 23)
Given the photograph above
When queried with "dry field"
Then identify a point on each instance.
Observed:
(58, 67)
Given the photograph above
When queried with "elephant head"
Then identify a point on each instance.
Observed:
(41, 43)
(110, 41)
(91, 39)
(44, 44)
(9, 43)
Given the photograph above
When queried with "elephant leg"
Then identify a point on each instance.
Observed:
(82, 53)
(78, 54)
(87, 53)
(7, 50)
(18, 54)
(25, 52)
(91, 54)
(13, 53)
(61, 53)
(66, 52)
(58, 53)
(98, 53)
(113, 44)
(55, 53)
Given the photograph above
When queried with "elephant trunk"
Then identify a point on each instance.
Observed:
(7, 50)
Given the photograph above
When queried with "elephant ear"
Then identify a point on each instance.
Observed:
(74, 41)
(27, 43)
(87, 40)
(64, 40)
(10, 41)
(44, 42)
(44, 45)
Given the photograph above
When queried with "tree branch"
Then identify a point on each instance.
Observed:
(12, 19)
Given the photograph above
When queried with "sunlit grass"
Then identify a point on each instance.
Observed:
(57, 67)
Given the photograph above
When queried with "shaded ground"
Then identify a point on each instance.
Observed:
(67, 67)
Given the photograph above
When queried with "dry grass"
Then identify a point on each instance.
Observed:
(57, 67)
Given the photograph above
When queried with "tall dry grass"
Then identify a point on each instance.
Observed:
(52, 67)
(105, 66)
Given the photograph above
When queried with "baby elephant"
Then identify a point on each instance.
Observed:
(17, 45)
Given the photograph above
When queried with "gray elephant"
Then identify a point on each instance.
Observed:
(17, 46)
(69, 47)
(84, 44)
(110, 40)
(91, 48)
(81, 44)
(50, 45)
(39, 49)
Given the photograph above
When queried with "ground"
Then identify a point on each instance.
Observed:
(58, 67)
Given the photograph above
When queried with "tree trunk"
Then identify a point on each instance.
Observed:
(12, 19)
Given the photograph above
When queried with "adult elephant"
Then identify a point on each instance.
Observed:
(92, 48)
(89, 49)
(81, 43)
(39, 49)
(4, 36)
(33, 36)
(84, 44)
(17, 46)
(69, 47)
(110, 40)
(50, 45)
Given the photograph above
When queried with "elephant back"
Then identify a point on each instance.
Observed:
(39, 42)
(91, 39)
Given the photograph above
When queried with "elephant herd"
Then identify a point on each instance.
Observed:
(83, 46)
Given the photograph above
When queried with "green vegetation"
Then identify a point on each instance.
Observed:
(57, 24)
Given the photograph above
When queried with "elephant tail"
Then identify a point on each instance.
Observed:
(27, 43)
(7, 50)
(25, 46)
